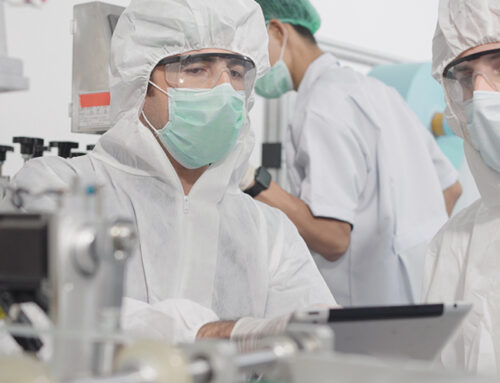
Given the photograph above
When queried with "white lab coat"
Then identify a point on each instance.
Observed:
(463, 264)
(355, 152)
(216, 253)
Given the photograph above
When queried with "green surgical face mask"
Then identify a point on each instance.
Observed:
(277, 81)
(203, 125)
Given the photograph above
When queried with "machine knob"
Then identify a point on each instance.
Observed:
(76, 154)
(64, 147)
(3, 152)
(39, 150)
(28, 144)
(85, 256)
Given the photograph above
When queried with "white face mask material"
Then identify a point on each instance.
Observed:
(483, 126)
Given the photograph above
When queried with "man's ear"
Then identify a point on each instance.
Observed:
(277, 29)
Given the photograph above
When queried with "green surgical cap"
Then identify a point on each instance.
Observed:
(298, 12)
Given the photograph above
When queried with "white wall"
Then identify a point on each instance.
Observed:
(41, 38)
(402, 28)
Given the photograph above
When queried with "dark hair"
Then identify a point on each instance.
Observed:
(305, 33)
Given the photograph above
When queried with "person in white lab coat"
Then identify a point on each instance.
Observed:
(211, 261)
(366, 178)
(463, 261)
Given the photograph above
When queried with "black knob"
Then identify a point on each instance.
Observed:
(63, 147)
(90, 147)
(38, 151)
(77, 154)
(28, 144)
(3, 152)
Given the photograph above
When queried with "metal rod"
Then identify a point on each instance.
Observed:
(255, 359)
(200, 371)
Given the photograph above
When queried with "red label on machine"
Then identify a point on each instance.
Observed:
(95, 99)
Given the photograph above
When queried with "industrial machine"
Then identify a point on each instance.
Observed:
(300, 355)
(92, 27)
(71, 263)
(4, 149)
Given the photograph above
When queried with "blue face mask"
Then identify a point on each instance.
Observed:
(203, 125)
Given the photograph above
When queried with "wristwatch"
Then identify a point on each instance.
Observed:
(262, 182)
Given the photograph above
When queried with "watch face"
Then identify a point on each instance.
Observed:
(263, 177)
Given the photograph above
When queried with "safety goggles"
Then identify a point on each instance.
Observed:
(207, 70)
(479, 71)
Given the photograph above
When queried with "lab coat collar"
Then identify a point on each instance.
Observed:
(315, 69)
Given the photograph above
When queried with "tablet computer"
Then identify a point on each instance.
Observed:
(416, 331)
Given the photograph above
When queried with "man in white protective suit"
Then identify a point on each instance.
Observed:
(463, 261)
(211, 261)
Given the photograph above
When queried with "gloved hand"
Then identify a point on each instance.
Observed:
(248, 331)
(249, 178)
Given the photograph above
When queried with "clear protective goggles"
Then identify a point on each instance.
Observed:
(478, 71)
(207, 70)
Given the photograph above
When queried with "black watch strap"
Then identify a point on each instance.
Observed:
(255, 190)
(262, 182)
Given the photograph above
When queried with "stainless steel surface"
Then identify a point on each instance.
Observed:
(87, 270)
(127, 377)
(84, 251)
(255, 360)
(338, 368)
(92, 27)
(220, 357)
(312, 337)
(200, 371)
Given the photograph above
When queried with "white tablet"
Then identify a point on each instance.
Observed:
(417, 331)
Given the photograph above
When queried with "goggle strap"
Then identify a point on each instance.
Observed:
(157, 87)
